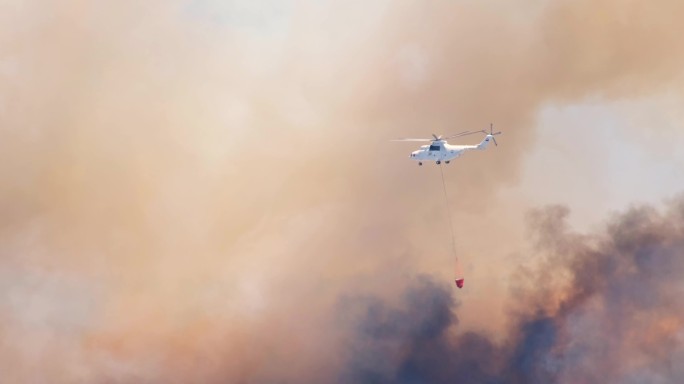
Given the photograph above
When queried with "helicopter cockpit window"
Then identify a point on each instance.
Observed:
(434, 148)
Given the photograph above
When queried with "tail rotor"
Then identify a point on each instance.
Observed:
(492, 133)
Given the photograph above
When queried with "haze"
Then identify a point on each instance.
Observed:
(205, 191)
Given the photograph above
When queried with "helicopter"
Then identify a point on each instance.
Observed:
(439, 150)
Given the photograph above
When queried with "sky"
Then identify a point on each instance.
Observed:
(206, 191)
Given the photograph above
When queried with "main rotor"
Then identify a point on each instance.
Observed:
(464, 133)
(440, 137)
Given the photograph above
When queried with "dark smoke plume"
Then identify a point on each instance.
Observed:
(601, 308)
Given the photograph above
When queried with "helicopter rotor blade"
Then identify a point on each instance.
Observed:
(464, 133)
(436, 137)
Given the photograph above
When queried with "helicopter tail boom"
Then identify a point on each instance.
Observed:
(485, 142)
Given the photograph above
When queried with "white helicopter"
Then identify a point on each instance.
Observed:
(439, 150)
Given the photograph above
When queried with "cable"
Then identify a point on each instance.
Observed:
(451, 222)
(459, 272)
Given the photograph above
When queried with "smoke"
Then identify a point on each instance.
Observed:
(604, 307)
(411, 342)
(188, 188)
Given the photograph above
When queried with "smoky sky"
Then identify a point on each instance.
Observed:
(611, 311)
(205, 191)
